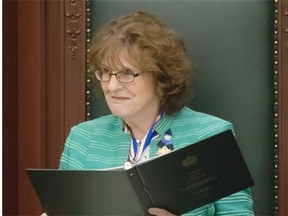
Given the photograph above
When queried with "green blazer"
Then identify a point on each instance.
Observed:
(103, 143)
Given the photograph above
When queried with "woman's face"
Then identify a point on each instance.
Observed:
(130, 100)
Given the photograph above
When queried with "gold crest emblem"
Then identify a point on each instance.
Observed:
(189, 161)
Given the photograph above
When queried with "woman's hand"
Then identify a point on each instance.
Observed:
(159, 212)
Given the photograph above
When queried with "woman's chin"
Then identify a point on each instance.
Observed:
(120, 113)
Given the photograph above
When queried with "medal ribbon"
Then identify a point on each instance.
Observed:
(136, 150)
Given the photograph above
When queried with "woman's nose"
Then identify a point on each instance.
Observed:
(114, 84)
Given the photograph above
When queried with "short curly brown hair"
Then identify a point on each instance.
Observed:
(156, 49)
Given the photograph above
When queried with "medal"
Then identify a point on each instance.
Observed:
(137, 148)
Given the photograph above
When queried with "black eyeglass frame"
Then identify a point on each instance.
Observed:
(128, 72)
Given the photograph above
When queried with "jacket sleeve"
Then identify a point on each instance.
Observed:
(240, 203)
(74, 152)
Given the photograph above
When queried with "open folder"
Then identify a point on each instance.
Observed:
(179, 182)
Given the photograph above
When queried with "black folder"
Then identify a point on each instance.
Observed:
(179, 182)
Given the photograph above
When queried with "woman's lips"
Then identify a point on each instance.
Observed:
(119, 98)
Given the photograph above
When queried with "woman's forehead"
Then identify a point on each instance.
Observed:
(121, 59)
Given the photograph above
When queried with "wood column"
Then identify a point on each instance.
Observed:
(51, 60)
(10, 109)
(31, 99)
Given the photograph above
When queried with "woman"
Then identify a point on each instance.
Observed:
(144, 74)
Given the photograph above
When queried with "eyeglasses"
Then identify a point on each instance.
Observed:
(122, 76)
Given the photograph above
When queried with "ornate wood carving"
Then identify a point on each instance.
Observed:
(73, 30)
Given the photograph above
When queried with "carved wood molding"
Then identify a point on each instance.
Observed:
(72, 29)
(74, 62)
(281, 106)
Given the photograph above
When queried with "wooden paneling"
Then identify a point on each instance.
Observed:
(31, 99)
(55, 83)
(10, 104)
(75, 62)
(51, 86)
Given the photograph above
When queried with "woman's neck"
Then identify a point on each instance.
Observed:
(140, 126)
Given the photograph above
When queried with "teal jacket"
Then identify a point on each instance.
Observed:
(102, 143)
